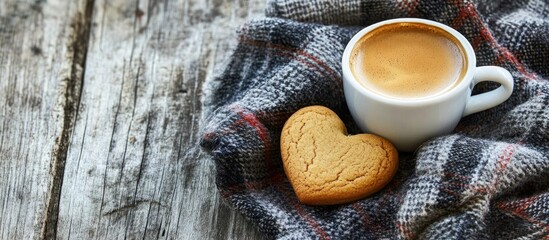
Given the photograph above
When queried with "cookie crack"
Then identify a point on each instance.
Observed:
(314, 154)
(338, 176)
(300, 136)
(382, 165)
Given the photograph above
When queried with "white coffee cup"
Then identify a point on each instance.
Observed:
(407, 123)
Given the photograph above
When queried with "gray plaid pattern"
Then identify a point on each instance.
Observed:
(487, 180)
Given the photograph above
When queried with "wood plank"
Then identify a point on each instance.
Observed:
(134, 168)
(42, 49)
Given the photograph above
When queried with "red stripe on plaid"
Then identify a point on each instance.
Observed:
(311, 66)
(261, 130)
(365, 218)
(520, 67)
(299, 52)
(502, 163)
(520, 212)
(486, 35)
(252, 120)
(475, 43)
(461, 182)
(405, 231)
(505, 158)
(525, 204)
(388, 193)
(463, 14)
(290, 196)
(409, 5)
(314, 224)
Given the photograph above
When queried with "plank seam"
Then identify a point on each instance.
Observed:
(81, 26)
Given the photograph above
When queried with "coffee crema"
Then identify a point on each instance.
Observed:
(408, 60)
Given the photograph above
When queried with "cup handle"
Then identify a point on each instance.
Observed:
(483, 101)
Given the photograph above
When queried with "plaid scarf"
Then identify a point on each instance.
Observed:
(486, 180)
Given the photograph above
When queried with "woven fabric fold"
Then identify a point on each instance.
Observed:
(489, 179)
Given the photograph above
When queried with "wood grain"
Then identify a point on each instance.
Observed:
(42, 51)
(133, 167)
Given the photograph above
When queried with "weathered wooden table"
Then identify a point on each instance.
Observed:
(100, 105)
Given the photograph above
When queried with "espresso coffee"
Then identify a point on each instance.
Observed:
(408, 60)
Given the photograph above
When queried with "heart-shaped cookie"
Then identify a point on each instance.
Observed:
(326, 166)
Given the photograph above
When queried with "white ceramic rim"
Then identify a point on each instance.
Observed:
(465, 82)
